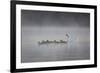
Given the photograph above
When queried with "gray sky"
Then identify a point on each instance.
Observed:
(50, 18)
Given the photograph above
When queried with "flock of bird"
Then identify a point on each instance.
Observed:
(54, 41)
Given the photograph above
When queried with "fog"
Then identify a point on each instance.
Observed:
(43, 25)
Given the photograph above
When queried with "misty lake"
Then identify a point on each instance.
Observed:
(77, 48)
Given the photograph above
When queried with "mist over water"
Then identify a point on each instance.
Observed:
(54, 26)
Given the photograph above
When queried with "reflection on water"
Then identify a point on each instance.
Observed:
(77, 48)
(56, 52)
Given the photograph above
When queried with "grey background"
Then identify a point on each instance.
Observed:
(46, 25)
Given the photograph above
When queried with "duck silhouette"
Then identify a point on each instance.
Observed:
(54, 41)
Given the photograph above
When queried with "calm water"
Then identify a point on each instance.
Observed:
(77, 48)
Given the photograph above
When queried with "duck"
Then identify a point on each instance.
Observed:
(54, 41)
